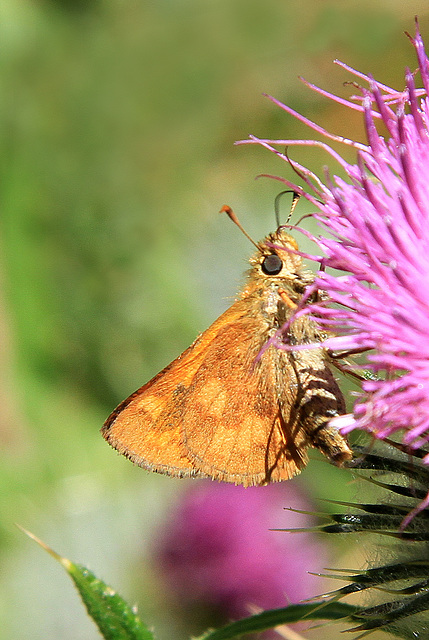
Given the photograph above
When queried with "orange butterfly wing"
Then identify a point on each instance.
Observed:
(215, 411)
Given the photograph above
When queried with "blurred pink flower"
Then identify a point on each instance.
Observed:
(379, 225)
(218, 549)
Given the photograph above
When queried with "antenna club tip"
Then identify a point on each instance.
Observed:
(230, 213)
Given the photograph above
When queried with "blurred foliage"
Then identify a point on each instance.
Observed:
(117, 123)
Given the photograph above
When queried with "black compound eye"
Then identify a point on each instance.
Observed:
(272, 265)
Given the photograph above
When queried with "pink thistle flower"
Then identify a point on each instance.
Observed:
(218, 550)
(378, 221)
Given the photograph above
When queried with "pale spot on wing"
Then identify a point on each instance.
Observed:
(152, 405)
(214, 397)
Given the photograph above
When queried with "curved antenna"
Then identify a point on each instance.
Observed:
(296, 197)
(231, 215)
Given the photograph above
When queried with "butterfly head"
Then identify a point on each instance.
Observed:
(276, 263)
(277, 259)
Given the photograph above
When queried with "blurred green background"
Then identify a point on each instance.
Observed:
(117, 125)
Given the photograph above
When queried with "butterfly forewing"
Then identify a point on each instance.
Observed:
(186, 422)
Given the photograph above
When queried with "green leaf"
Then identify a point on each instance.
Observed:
(111, 613)
(276, 617)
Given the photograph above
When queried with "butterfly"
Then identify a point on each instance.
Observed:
(234, 407)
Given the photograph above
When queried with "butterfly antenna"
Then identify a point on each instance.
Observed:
(296, 197)
(230, 213)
